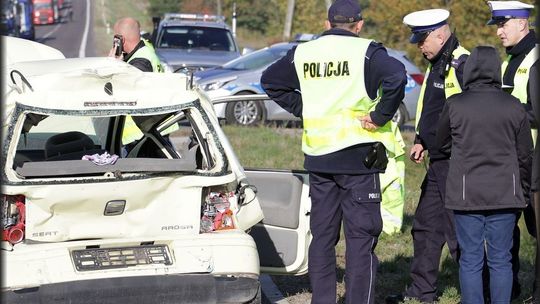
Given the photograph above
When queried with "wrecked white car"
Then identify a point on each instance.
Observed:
(119, 186)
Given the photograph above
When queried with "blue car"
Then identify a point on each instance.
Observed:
(242, 75)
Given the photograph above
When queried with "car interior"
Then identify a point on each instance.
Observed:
(167, 143)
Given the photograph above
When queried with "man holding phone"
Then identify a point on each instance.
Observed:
(129, 47)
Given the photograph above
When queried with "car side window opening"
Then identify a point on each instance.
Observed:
(173, 137)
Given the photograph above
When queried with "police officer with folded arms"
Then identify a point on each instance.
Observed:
(433, 225)
(346, 89)
(511, 20)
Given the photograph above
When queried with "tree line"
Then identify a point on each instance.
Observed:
(383, 18)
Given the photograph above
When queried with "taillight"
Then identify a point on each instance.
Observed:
(13, 218)
(216, 211)
(418, 78)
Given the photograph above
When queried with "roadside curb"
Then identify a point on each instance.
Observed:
(270, 290)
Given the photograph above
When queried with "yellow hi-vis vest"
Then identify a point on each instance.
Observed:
(521, 79)
(131, 131)
(451, 84)
(331, 74)
(393, 185)
(148, 52)
(330, 117)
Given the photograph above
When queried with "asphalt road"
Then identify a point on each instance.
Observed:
(73, 35)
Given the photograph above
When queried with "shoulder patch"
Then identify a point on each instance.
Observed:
(456, 62)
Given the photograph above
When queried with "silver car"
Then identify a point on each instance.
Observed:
(242, 76)
(194, 41)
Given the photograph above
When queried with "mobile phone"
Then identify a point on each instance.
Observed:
(117, 42)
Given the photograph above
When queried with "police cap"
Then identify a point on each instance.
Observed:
(501, 11)
(344, 11)
(424, 22)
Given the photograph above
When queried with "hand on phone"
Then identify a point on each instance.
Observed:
(117, 48)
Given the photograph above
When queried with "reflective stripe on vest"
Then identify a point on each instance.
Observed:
(147, 52)
(393, 184)
(330, 116)
(521, 79)
(451, 83)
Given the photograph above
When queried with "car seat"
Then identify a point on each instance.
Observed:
(69, 146)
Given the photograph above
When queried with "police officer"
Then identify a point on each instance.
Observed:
(433, 225)
(134, 50)
(535, 184)
(510, 17)
(131, 48)
(534, 89)
(333, 83)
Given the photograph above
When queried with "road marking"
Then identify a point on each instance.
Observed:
(82, 48)
(51, 32)
(271, 291)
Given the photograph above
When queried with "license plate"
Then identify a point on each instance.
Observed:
(120, 257)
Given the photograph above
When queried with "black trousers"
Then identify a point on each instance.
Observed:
(536, 287)
(355, 200)
(433, 226)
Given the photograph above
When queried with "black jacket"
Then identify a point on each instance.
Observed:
(489, 136)
(142, 64)
(534, 81)
(435, 98)
(280, 82)
(518, 52)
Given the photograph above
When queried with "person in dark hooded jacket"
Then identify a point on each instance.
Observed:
(488, 134)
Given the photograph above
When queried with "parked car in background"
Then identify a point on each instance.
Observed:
(194, 41)
(88, 216)
(241, 76)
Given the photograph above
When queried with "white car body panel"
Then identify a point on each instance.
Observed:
(192, 254)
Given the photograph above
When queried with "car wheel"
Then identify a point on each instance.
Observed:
(246, 112)
(401, 116)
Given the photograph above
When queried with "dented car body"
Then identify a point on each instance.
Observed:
(120, 185)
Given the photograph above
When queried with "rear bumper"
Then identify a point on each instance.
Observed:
(142, 289)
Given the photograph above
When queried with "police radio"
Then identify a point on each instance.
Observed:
(446, 57)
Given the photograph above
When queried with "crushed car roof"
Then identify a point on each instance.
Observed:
(18, 50)
(94, 83)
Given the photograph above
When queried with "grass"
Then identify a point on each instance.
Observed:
(279, 147)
